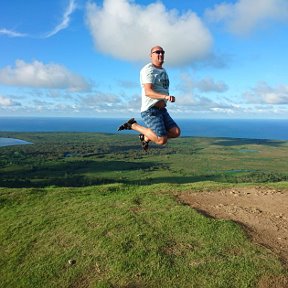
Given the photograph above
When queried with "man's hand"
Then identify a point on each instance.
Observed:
(170, 98)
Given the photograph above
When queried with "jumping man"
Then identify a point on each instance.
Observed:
(155, 95)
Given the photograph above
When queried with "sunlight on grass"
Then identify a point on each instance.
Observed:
(120, 236)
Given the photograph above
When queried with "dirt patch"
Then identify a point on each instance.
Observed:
(264, 213)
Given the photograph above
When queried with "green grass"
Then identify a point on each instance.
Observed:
(99, 200)
(122, 236)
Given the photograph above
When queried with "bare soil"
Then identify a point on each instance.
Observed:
(262, 211)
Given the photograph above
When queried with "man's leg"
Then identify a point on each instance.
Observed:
(149, 134)
(173, 131)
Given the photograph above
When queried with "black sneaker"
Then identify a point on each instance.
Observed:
(145, 144)
(127, 125)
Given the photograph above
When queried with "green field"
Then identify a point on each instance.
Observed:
(100, 201)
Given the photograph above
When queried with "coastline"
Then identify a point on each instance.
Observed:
(270, 129)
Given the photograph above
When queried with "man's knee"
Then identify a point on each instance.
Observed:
(177, 132)
(174, 132)
(162, 140)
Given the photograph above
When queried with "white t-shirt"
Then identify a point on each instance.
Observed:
(159, 78)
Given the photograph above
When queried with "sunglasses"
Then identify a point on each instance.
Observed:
(159, 52)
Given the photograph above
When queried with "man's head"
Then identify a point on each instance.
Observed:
(157, 56)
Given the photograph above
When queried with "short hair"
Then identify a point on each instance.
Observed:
(157, 46)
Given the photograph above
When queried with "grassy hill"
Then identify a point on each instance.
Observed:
(93, 210)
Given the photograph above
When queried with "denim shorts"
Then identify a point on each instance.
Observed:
(158, 120)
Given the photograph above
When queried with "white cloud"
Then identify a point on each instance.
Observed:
(11, 33)
(127, 31)
(37, 74)
(210, 85)
(100, 98)
(65, 21)
(192, 96)
(189, 104)
(109, 103)
(203, 85)
(264, 94)
(7, 102)
(246, 15)
(4, 101)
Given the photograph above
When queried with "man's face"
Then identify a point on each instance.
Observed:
(157, 56)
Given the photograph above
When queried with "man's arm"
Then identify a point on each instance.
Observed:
(151, 93)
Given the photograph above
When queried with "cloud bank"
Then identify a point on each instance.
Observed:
(127, 31)
(245, 15)
(203, 85)
(40, 75)
(262, 93)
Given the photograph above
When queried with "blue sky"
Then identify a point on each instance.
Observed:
(78, 58)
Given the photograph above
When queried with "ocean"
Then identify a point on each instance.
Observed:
(271, 129)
